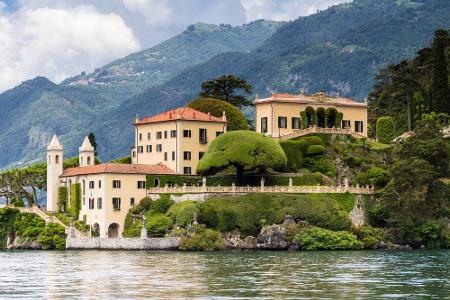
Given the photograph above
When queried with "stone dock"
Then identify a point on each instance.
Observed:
(166, 243)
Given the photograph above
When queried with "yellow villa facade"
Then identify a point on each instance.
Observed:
(282, 114)
(177, 138)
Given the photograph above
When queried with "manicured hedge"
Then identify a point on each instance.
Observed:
(316, 149)
(293, 151)
(385, 130)
(75, 200)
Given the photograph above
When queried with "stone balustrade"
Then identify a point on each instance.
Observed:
(367, 190)
(316, 129)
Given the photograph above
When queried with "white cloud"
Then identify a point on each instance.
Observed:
(155, 12)
(284, 10)
(58, 43)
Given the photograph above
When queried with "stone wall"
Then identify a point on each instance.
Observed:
(123, 243)
(195, 197)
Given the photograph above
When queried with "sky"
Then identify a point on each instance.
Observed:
(60, 38)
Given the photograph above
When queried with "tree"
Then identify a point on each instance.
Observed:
(225, 88)
(441, 92)
(385, 130)
(93, 141)
(244, 150)
(235, 118)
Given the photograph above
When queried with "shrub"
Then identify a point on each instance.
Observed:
(203, 240)
(53, 237)
(315, 238)
(352, 161)
(162, 204)
(375, 175)
(75, 201)
(315, 149)
(158, 223)
(122, 160)
(235, 118)
(132, 227)
(385, 130)
(431, 233)
(182, 213)
(62, 198)
(17, 202)
(370, 236)
(379, 213)
(312, 140)
(29, 226)
(144, 205)
(293, 151)
(321, 164)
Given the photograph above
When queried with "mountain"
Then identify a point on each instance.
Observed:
(38, 108)
(338, 50)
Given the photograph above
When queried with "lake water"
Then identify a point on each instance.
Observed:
(270, 275)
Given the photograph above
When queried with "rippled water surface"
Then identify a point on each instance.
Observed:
(274, 275)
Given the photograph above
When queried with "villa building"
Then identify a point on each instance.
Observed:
(166, 144)
(282, 114)
(177, 138)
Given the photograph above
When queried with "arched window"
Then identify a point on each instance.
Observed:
(56, 159)
(88, 160)
(309, 111)
(156, 182)
(81, 161)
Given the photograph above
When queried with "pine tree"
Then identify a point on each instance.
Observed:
(225, 88)
(441, 92)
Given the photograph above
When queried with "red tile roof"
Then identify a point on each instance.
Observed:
(182, 113)
(118, 169)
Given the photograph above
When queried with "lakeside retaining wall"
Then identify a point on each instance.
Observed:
(170, 243)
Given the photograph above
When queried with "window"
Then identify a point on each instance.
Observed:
(91, 203)
(149, 148)
(99, 184)
(159, 148)
(187, 155)
(116, 184)
(141, 184)
(173, 155)
(131, 201)
(295, 123)
(88, 160)
(200, 155)
(187, 170)
(165, 155)
(91, 184)
(264, 124)
(186, 133)
(116, 203)
(149, 135)
(84, 188)
(218, 133)
(99, 203)
(56, 159)
(203, 136)
(158, 135)
(345, 124)
(140, 136)
(134, 153)
(358, 126)
(173, 133)
(84, 201)
(165, 134)
(140, 149)
(282, 122)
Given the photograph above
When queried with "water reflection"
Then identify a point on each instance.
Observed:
(324, 275)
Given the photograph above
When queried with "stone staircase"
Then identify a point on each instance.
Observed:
(52, 219)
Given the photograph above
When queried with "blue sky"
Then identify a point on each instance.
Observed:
(61, 38)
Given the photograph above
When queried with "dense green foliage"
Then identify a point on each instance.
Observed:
(294, 155)
(162, 204)
(182, 213)
(411, 88)
(243, 150)
(62, 198)
(75, 200)
(249, 213)
(158, 223)
(315, 149)
(202, 239)
(374, 176)
(235, 119)
(30, 228)
(121, 160)
(385, 130)
(315, 238)
(228, 88)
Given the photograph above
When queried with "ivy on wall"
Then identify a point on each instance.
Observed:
(75, 200)
(329, 115)
(62, 198)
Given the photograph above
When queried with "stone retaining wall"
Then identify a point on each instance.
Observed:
(195, 197)
(123, 243)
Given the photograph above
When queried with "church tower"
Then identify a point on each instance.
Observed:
(54, 170)
(87, 154)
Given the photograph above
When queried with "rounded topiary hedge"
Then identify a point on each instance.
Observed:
(316, 149)
(235, 118)
(385, 130)
(293, 151)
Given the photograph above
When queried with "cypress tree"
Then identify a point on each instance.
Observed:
(441, 93)
(93, 141)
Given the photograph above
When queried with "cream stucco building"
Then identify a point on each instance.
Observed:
(178, 138)
(282, 114)
(166, 144)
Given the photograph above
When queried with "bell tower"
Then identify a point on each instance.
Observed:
(87, 154)
(54, 170)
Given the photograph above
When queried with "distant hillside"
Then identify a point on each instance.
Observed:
(338, 50)
(38, 108)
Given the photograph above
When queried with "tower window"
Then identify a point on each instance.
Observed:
(89, 160)
(56, 159)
